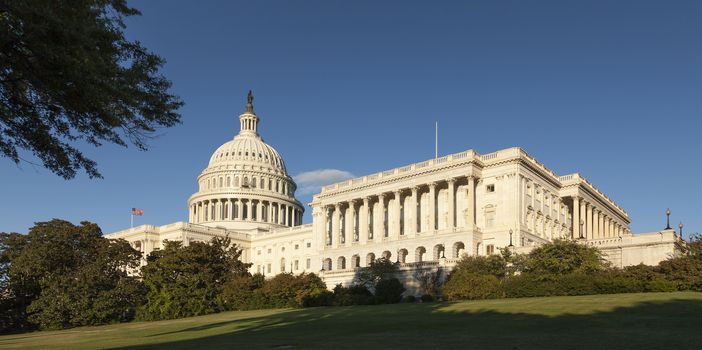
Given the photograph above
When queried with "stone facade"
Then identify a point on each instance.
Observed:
(424, 215)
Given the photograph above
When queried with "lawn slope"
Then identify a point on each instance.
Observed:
(621, 321)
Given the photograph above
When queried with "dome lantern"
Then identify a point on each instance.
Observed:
(248, 120)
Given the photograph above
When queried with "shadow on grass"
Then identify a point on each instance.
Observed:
(672, 324)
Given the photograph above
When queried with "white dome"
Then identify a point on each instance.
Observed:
(245, 185)
(250, 149)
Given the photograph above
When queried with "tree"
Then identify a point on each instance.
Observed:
(378, 270)
(62, 275)
(68, 74)
(561, 257)
(184, 281)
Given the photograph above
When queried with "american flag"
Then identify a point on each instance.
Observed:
(137, 211)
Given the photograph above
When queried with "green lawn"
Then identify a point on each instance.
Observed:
(622, 321)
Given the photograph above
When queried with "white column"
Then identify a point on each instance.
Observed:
(335, 225)
(451, 203)
(576, 218)
(432, 207)
(379, 218)
(470, 220)
(411, 213)
(363, 222)
(395, 233)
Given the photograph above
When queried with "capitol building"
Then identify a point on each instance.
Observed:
(424, 215)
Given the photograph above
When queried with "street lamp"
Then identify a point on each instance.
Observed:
(443, 249)
(582, 223)
(510, 239)
(681, 227)
(667, 220)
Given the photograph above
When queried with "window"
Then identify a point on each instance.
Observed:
(259, 252)
(297, 264)
(490, 249)
(297, 246)
(308, 263)
(309, 244)
(268, 268)
(282, 249)
(269, 250)
(490, 188)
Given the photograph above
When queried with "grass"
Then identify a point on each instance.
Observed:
(622, 321)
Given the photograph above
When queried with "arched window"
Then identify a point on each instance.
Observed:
(341, 263)
(236, 181)
(386, 255)
(355, 261)
(282, 264)
(229, 181)
(370, 258)
(419, 254)
(438, 251)
(221, 182)
(327, 264)
(458, 249)
(402, 255)
(253, 182)
(263, 184)
(235, 215)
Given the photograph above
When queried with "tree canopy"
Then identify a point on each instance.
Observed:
(68, 75)
(64, 275)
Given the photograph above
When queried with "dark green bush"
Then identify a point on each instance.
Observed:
(427, 298)
(389, 291)
(464, 284)
(353, 295)
(410, 299)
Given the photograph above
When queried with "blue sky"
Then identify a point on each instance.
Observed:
(610, 89)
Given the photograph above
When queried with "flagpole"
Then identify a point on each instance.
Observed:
(436, 141)
(131, 220)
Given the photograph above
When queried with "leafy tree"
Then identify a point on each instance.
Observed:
(61, 275)
(561, 257)
(378, 270)
(184, 281)
(389, 291)
(289, 290)
(493, 265)
(68, 75)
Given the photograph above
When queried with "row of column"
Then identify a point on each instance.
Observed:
(228, 209)
(590, 222)
(356, 217)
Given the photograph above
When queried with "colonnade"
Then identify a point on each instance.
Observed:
(390, 215)
(591, 222)
(245, 209)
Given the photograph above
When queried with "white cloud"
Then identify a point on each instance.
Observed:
(310, 182)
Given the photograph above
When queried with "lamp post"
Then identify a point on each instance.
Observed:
(667, 219)
(510, 239)
(681, 227)
(398, 256)
(582, 223)
(443, 250)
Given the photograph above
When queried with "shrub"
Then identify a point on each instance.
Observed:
(288, 290)
(661, 285)
(353, 295)
(389, 291)
(427, 298)
(464, 284)
(562, 257)
(410, 299)
(494, 265)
